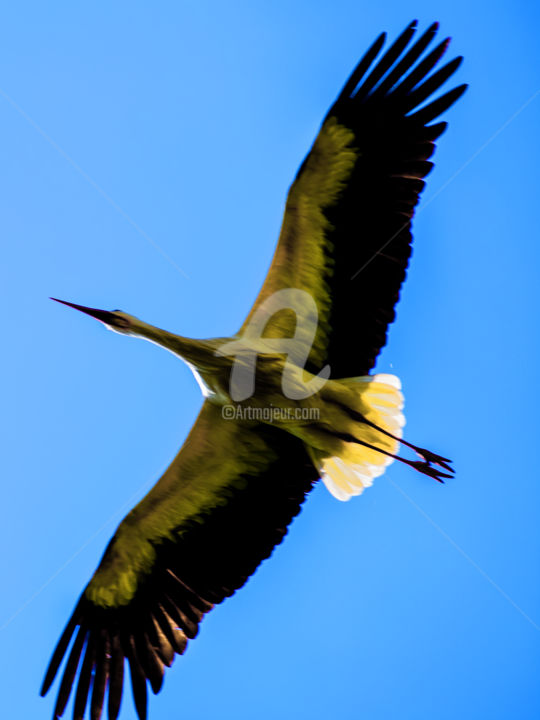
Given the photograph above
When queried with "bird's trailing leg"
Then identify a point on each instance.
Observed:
(425, 466)
(429, 456)
(371, 406)
(360, 433)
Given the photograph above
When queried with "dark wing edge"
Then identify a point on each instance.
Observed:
(389, 111)
(211, 558)
(353, 255)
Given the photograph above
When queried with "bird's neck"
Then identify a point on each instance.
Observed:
(199, 353)
(211, 369)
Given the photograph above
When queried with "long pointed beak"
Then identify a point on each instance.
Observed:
(102, 315)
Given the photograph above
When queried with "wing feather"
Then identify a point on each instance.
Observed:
(388, 59)
(116, 682)
(408, 59)
(85, 678)
(70, 672)
(194, 565)
(345, 237)
(138, 679)
(100, 677)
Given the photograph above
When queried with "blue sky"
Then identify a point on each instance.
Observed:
(181, 125)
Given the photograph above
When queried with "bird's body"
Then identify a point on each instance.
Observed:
(288, 399)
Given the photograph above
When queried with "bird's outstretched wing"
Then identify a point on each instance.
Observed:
(216, 513)
(346, 231)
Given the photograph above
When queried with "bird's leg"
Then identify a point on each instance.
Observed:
(424, 467)
(428, 455)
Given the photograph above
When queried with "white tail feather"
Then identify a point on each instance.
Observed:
(379, 400)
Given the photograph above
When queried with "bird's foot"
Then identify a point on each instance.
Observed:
(431, 457)
(427, 469)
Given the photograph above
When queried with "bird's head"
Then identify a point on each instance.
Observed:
(114, 320)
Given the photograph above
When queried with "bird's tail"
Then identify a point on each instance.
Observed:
(366, 435)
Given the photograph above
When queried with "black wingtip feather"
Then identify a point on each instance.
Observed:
(188, 625)
(138, 679)
(433, 132)
(392, 66)
(69, 673)
(149, 662)
(175, 636)
(407, 61)
(437, 107)
(361, 68)
(116, 682)
(387, 60)
(85, 679)
(158, 640)
(100, 678)
(419, 72)
(432, 84)
(58, 654)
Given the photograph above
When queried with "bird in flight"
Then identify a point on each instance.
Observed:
(288, 399)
